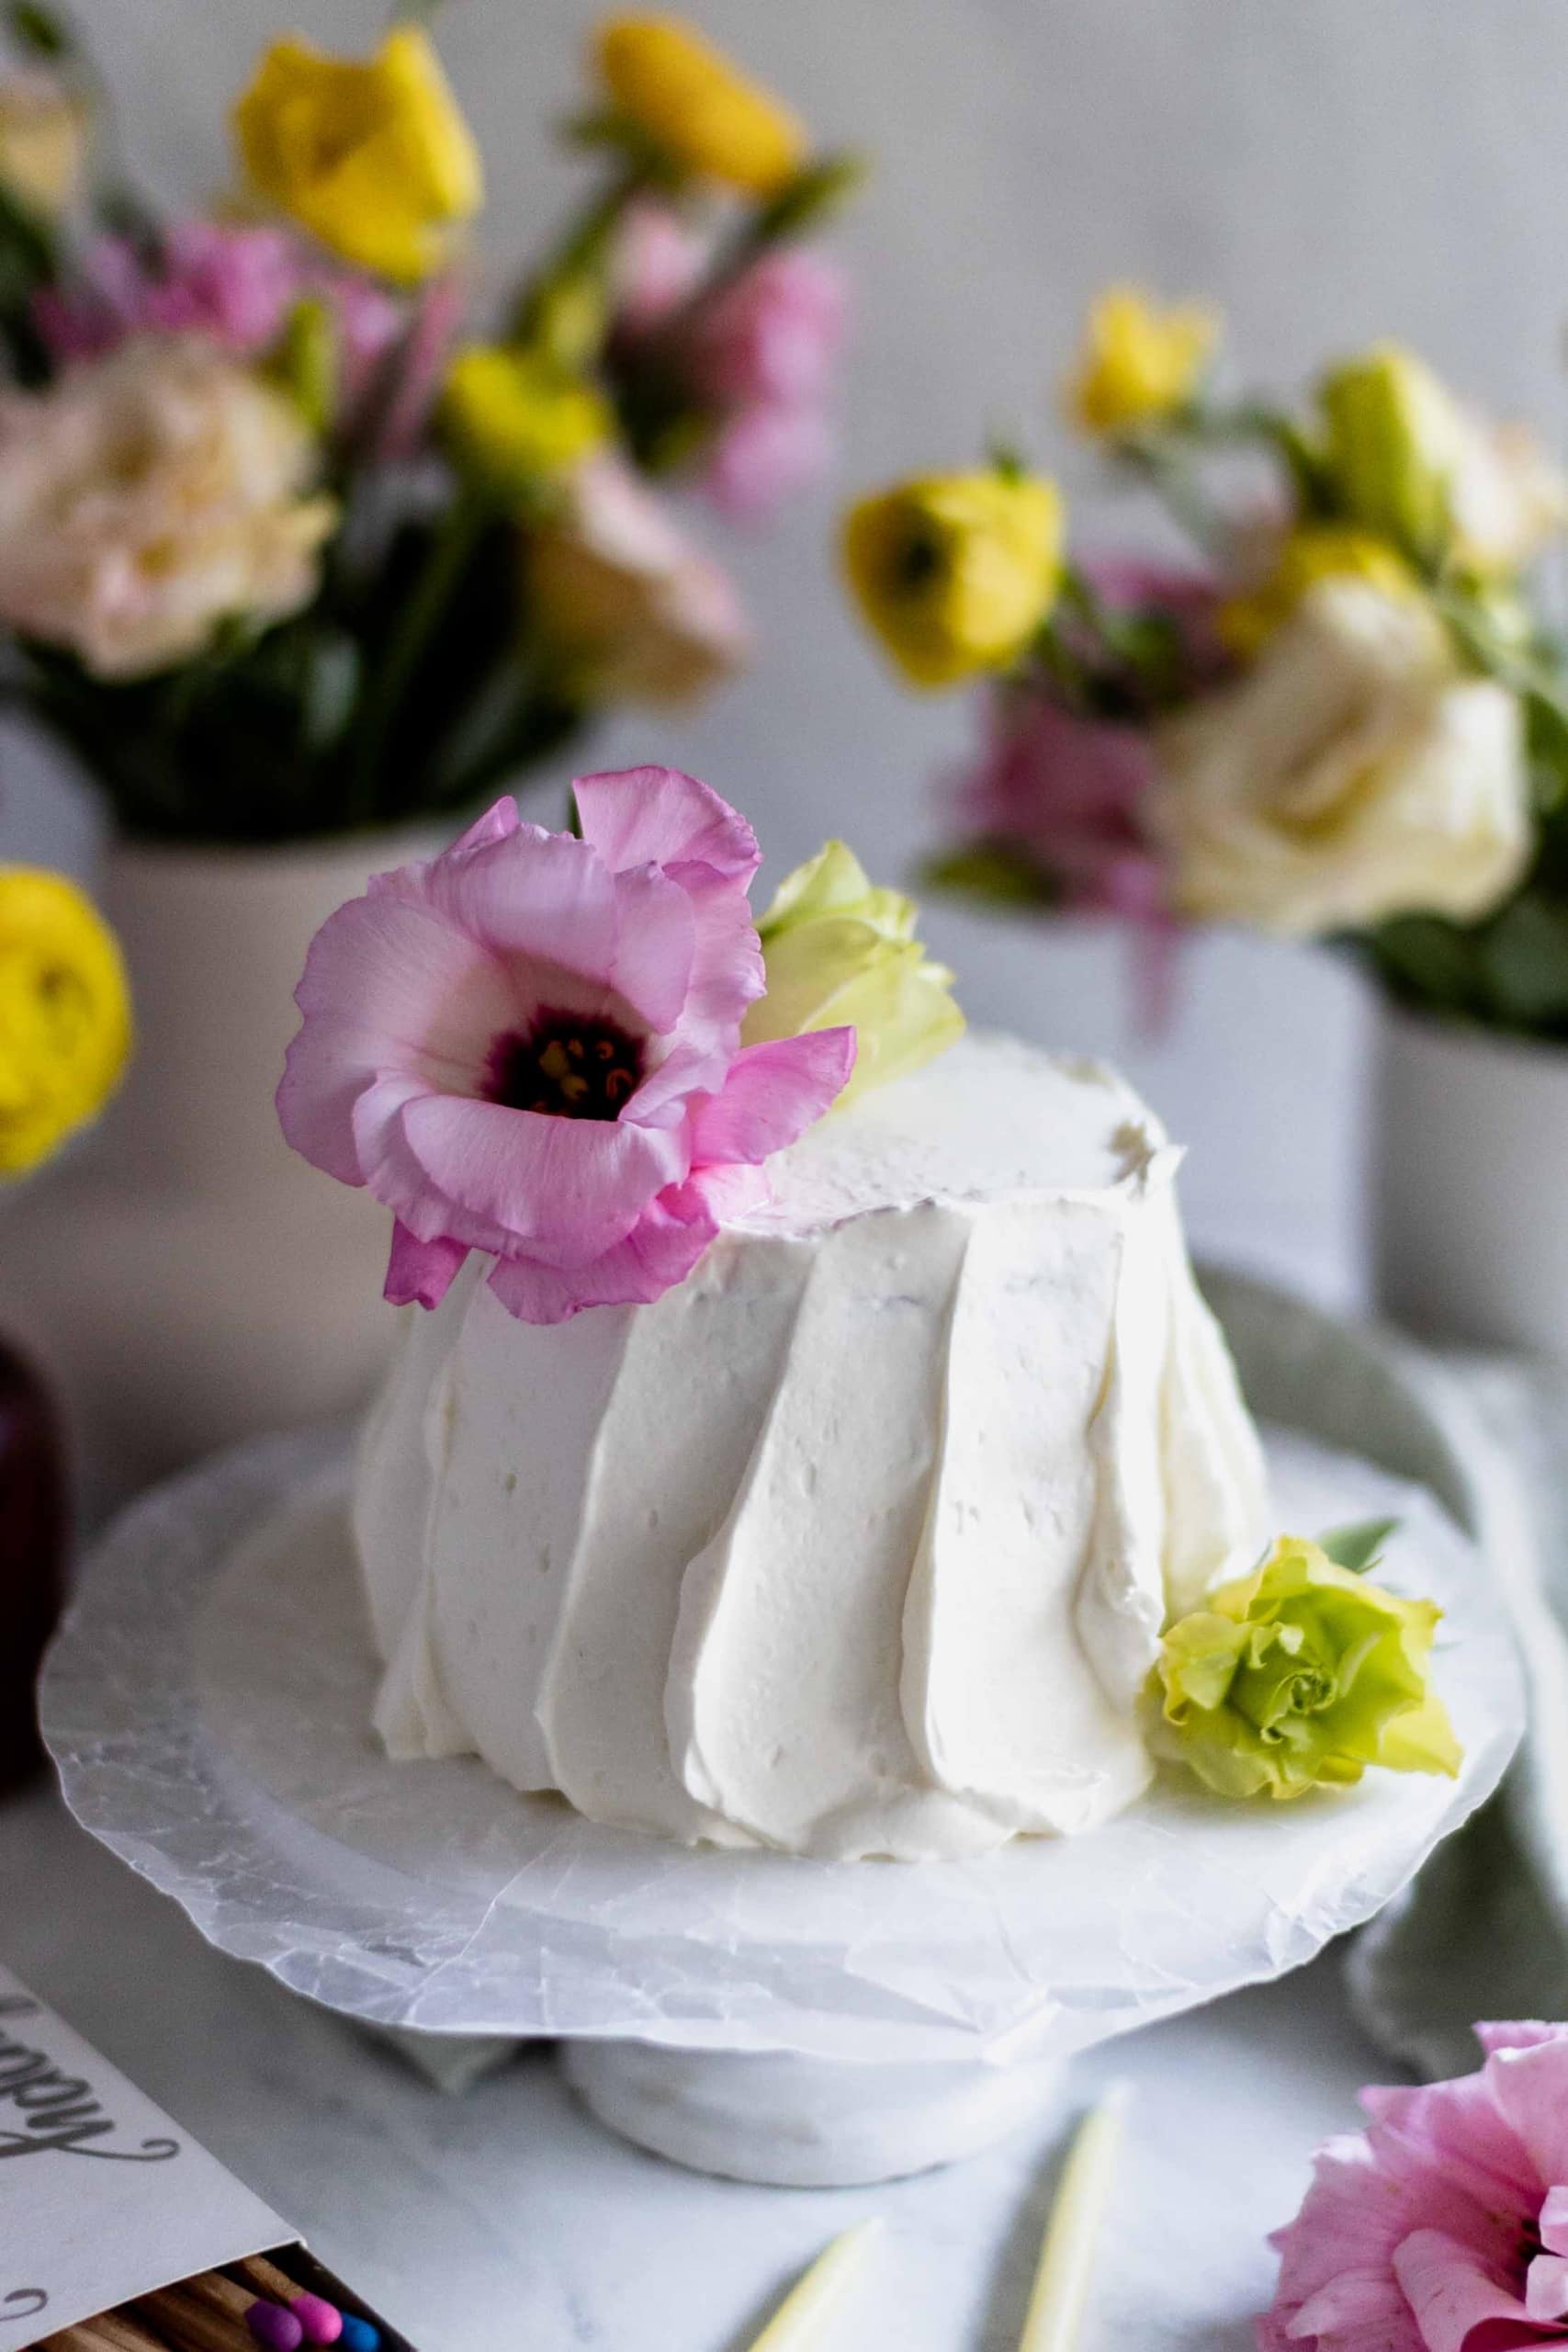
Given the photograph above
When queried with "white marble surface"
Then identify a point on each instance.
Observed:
(509, 2219)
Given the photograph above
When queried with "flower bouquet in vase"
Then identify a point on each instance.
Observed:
(307, 547)
(1346, 717)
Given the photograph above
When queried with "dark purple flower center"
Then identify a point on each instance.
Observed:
(566, 1065)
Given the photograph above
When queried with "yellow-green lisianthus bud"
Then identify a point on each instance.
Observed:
(516, 419)
(371, 155)
(700, 112)
(1139, 364)
(1394, 440)
(64, 1014)
(956, 573)
(1326, 551)
(1300, 1676)
(839, 950)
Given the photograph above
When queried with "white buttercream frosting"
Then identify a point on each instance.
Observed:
(859, 1542)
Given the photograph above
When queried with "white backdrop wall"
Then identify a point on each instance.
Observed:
(1327, 171)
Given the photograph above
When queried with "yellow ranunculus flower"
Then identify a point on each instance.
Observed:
(517, 418)
(1138, 363)
(839, 950)
(371, 157)
(956, 573)
(692, 104)
(1394, 440)
(1326, 551)
(44, 130)
(64, 1014)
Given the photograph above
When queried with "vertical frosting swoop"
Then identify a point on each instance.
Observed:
(860, 1541)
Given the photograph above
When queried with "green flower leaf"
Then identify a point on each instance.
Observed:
(1357, 1546)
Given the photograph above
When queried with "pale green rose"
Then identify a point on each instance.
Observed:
(840, 951)
(1300, 1676)
(1396, 439)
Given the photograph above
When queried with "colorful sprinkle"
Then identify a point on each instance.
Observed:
(321, 2320)
(358, 2336)
(274, 2327)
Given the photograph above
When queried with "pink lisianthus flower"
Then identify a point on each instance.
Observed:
(1067, 791)
(773, 337)
(235, 286)
(660, 261)
(530, 1046)
(1444, 2226)
(763, 457)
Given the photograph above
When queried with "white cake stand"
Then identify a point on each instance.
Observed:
(748, 2014)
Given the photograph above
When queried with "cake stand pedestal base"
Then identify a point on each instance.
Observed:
(790, 2122)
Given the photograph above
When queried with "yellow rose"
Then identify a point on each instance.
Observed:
(64, 1014)
(1350, 777)
(692, 104)
(956, 573)
(44, 128)
(372, 157)
(1138, 363)
(517, 418)
(838, 952)
(1326, 551)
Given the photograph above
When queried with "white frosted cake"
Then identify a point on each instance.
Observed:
(859, 1541)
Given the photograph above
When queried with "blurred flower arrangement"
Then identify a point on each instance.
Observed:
(290, 542)
(1348, 715)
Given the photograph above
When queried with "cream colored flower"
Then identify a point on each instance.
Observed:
(44, 130)
(1351, 775)
(629, 610)
(1506, 497)
(149, 496)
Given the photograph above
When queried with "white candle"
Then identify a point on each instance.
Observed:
(1072, 2233)
(794, 2324)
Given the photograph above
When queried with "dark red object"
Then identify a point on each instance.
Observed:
(33, 1556)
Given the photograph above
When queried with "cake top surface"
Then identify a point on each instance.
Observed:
(990, 1118)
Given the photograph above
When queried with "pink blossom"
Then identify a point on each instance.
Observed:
(773, 336)
(1067, 791)
(763, 457)
(530, 1046)
(235, 286)
(1444, 2226)
(659, 264)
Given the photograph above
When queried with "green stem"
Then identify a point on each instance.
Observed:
(584, 246)
(449, 551)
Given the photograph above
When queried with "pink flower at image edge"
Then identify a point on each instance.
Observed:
(1443, 2227)
(529, 1047)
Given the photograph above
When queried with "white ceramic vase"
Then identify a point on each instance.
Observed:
(186, 1278)
(1471, 1184)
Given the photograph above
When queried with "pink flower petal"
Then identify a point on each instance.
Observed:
(386, 984)
(661, 1251)
(1458, 2307)
(574, 1184)
(420, 1273)
(1553, 2222)
(772, 1094)
(1530, 2088)
(1518, 2035)
(656, 945)
(1546, 2288)
(663, 817)
(541, 896)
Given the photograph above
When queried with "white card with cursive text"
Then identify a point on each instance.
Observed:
(102, 2198)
